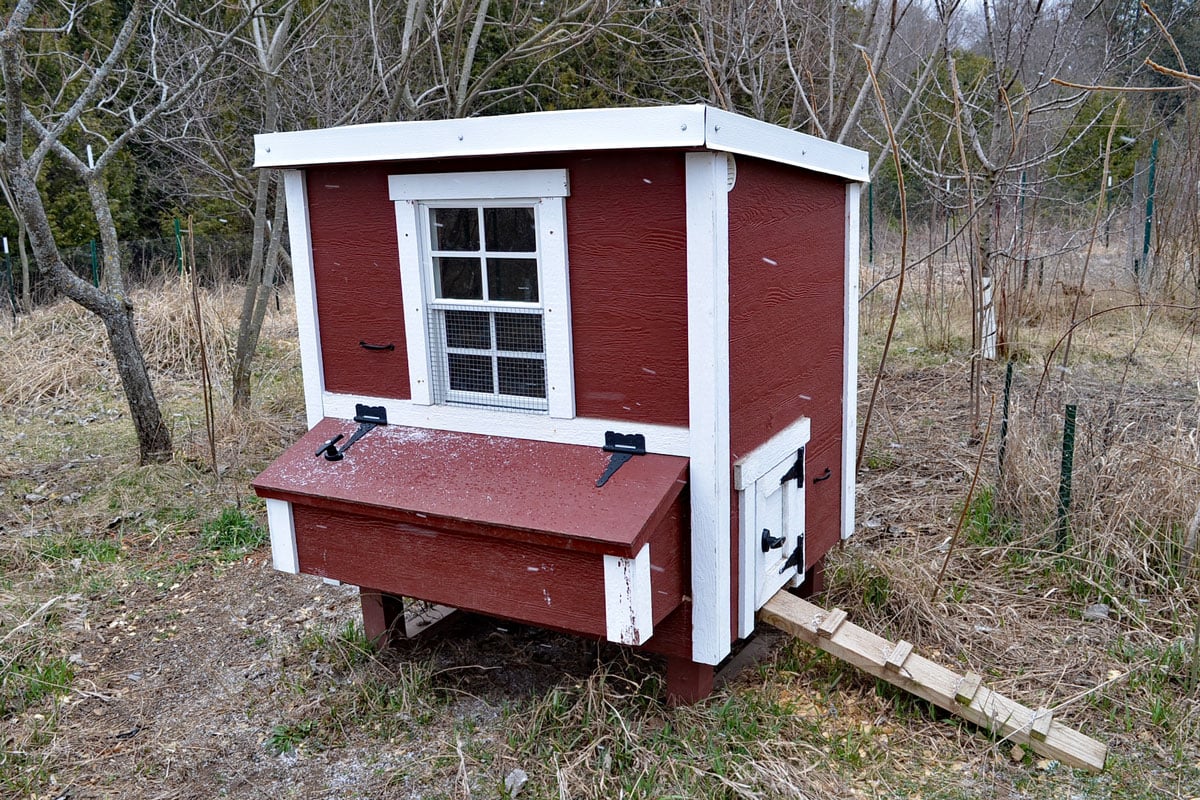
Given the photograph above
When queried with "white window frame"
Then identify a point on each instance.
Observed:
(547, 191)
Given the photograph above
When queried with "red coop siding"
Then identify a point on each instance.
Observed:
(627, 242)
(356, 266)
(627, 250)
(786, 323)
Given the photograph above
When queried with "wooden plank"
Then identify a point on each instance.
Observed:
(420, 617)
(937, 684)
(898, 656)
(967, 688)
(1040, 728)
(831, 622)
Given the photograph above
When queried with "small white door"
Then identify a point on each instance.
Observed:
(770, 484)
(779, 520)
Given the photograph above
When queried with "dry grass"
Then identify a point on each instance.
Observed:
(189, 672)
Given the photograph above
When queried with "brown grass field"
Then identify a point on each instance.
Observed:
(147, 649)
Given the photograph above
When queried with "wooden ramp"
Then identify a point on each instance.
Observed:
(963, 695)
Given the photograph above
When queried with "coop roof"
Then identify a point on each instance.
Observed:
(685, 126)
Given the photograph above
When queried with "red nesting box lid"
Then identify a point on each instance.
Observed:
(541, 492)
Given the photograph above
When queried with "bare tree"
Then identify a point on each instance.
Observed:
(59, 100)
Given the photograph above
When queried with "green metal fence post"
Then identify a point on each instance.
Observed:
(1149, 206)
(1008, 375)
(1064, 482)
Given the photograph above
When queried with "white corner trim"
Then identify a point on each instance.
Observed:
(283, 536)
(753, 466)
(850, 359)
(499, 185)
(708, 402)
(628, 612)
(540, 132)
(734, 133)
(668, 440)
(300, 237)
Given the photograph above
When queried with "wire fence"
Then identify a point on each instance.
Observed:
(219, 259)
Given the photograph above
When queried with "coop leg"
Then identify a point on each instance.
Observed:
(687, 681)
(814, 581)
(383, 617)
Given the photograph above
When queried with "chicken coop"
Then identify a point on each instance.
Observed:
(588, 370)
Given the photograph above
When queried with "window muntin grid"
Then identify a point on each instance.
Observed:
(486, 326)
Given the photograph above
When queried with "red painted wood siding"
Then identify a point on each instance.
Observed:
(356, 267)
(627, 240)
(786, 326)
(627, 250)
(537, 584)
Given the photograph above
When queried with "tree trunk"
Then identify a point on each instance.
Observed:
(154, 439)
(247, 339)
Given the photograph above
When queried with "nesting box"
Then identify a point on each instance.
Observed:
(590, 370)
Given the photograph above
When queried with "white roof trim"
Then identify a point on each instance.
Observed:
(693, 126)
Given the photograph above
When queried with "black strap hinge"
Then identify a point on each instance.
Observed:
(796, 473)
(367, 417)
(623, 447)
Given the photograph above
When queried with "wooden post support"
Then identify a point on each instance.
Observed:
(687, 681)
(937, 684)
(383, 617)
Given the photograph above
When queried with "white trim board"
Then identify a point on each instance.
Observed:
(707, 175)
(751, 467)
(303, 284)
(531, 184)
(850, 359)
(681, 126)
(663, 439)
(283, 536)
(628, 607)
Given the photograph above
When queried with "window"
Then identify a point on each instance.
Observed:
(484, 274)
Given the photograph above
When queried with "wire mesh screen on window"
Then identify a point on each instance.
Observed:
(495, 359)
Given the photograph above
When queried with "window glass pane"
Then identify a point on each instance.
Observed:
(513, 279)
(468, 329)
(458, 278)
(470, 373)
(509, 230)
(519, 332)
(523, 377)
(454, 228)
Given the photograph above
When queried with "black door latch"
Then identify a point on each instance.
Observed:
(770, 542)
